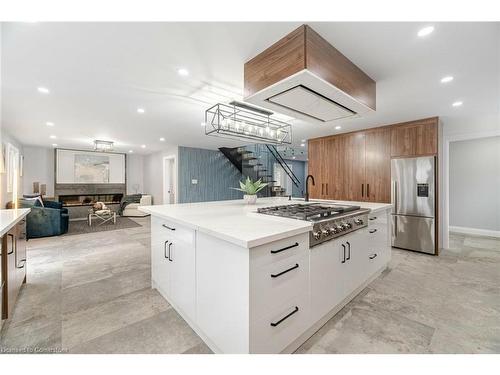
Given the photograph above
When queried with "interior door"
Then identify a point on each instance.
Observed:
(354, 166)
(378, 165)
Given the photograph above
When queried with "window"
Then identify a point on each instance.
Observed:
(12, 168)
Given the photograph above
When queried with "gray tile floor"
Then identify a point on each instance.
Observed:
(91, 294)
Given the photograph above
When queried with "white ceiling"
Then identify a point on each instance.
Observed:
(100, 73)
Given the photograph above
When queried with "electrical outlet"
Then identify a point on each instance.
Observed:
(194, 181)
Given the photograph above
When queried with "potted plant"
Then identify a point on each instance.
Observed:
(251, 189)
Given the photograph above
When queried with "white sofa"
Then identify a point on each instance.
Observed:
(132, 209)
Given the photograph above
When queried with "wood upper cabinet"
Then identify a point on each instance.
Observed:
(378, 165)
(415, 138)
(334, 163)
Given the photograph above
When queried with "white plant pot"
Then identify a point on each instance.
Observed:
(250, 199)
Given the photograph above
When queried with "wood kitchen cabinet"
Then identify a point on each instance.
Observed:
(13, 266)
(378, 165)
(357, 166)
(415, 138)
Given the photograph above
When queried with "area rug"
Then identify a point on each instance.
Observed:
(81, 226)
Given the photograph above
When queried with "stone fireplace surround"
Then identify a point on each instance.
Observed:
(87, 190)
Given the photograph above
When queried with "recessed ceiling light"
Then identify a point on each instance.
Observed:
(338, 127)
(53, 137)
(130, 151)
(203, 123)
(162, 139)
(302, 145)
(49, 123)
(183, 72)
(143, 146)
(446, 79)
(140, 110)
(54, 144)
(425, 31)
(43, 90)
(457, 104)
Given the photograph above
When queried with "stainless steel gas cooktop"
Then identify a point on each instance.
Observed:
(330, 220)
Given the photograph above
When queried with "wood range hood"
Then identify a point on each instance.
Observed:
(305, 77)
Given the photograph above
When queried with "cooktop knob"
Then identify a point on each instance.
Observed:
(316, 235)
(358, 221)
(340, 228)
(325, 232)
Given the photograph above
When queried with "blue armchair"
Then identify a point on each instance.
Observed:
(50, 220)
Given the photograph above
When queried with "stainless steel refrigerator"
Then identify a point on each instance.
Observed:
(413, 199)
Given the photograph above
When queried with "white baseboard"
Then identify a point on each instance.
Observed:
(476, 232)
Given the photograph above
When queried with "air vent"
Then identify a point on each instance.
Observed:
(309, 103)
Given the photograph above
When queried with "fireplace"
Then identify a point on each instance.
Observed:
(89, 199)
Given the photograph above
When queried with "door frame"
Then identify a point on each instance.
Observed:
(446, 175)
(169, 159)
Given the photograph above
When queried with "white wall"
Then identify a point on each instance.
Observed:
(135, 174)
(153, 173)
(38, 167)
(475, 184)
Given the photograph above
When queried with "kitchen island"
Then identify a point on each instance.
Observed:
(252, 283)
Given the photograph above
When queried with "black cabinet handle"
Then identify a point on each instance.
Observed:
(343, 258)
(373, 256)
(285, 271)
(23, 262)
(362, 190)
(285, 248)
(170, 252)
(13, 245)
(367, 190)
(166, 226)
(349, 249)
(373, 218)
(275, 324)
(165, 249)
(373, 231)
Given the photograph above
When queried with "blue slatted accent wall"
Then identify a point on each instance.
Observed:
(214, 172)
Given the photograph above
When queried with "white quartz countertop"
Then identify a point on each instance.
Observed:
(238, 223)
(9, 218)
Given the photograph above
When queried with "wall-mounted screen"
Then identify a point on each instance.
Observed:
(87, 167)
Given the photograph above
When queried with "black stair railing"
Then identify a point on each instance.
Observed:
(277, 156)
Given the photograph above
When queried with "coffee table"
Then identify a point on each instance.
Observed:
(101, 216)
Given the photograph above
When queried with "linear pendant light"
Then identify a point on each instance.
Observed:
(239, 120)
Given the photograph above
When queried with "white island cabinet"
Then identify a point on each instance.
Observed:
(250, 283)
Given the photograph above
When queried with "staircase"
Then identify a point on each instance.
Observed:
(257, 162)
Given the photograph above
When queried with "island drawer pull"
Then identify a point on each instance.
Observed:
(165, 249)
(373, 231)
(13, 243)
(373, 256)
(285, 248)
(170, 251)
(166, 226)
(275, 324)
(343, 253)
(23, 261)
(285, 271)
(349, 250)
(373, 218)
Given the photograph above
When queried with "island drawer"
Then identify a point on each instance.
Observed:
(274, 284)
(380, 217)
(281, 326)
(279, 250)
(165, 230)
